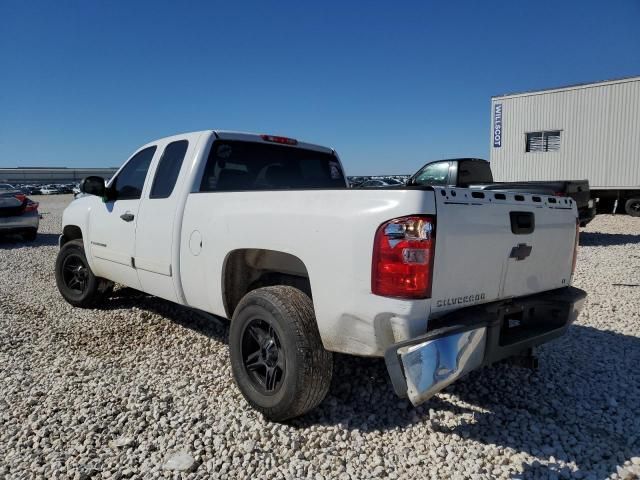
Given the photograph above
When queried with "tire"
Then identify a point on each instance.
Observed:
(632, 207)
(30, 235)
(76, 282)
(289, 347)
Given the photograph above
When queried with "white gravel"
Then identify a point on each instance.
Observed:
(143, 389)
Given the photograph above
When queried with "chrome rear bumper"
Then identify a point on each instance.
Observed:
(475, 336)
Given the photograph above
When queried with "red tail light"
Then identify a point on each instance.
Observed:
(559, 194)
(575, 248)
(276, 139)
(21, 197)
(403, 257)
(31, 206)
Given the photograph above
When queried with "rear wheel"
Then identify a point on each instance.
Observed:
(632, 207)
(277, 357)
(76, 282)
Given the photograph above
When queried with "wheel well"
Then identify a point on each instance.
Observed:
(70, 232)
(251, 268)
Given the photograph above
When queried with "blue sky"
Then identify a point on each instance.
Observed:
(388, 84)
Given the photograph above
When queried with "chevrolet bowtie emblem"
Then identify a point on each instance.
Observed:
(520, 251)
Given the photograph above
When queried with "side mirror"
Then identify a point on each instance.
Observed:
(93, 186)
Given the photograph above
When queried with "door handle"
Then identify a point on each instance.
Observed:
(127, 217)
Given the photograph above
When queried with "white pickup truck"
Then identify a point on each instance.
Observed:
(263, 230)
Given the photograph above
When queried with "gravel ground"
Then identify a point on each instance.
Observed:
(143, 389)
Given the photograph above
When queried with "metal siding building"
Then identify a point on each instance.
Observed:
(599, 126)
(34, 175)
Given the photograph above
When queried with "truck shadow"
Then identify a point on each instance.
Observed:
(201, 322)
(601, 239)
(580, 406)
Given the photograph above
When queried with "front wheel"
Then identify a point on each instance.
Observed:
(76, 282)
(277, 357)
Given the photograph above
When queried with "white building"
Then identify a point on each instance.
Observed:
(43, 175)
(589, 131)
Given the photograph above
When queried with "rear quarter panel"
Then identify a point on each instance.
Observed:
(331, 232)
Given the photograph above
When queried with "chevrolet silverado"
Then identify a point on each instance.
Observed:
(264, 230)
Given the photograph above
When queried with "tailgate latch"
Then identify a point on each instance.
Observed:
(520, 251)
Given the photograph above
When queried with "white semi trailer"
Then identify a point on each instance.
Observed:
(589, 131)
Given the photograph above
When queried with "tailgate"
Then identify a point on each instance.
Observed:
(498, 245)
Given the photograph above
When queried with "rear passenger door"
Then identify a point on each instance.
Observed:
(158, 227)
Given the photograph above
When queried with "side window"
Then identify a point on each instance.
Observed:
(434, 174)
(129, 182)
(169, 169)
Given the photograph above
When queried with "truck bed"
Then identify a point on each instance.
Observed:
(331, 232)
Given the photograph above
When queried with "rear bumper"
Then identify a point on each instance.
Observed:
(472, 337)
(586, 214)
(19, 223)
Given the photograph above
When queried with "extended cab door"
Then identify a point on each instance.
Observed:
(112, 224)
(159, 218)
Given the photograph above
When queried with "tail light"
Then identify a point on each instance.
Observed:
(31, 206)
(559, 194)
(575, 248)
(403, 257)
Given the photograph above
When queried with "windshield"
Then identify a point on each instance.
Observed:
(239, 165)
(436, 173)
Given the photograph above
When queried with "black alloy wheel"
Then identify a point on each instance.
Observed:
(263, 357)
(75, 273)
(74, 278)
(277, 357)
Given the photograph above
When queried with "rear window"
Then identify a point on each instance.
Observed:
(239, 165)
(473, 171)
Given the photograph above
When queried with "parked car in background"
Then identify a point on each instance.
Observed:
(49, 190)
(476, 173)
(64, 189)
(263, 230)
(31, 190)
(18, 213)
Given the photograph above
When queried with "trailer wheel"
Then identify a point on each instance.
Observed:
(632, 207)
(277, 357)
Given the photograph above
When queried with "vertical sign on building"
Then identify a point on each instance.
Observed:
(497, 125)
